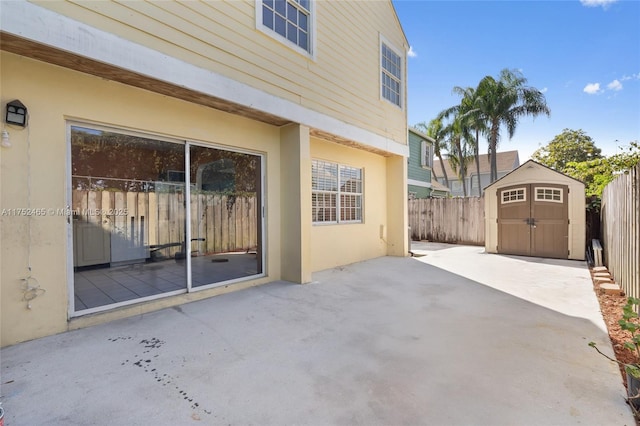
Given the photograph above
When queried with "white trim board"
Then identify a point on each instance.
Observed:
(418, 183)
(24, 19)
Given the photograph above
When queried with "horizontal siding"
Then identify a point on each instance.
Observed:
(414, 167)
(343, 81)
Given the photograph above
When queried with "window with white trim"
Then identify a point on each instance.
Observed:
(336, 193)
(514, 195)
(391, 74)
(549, 194)
(290, 20)
(426, 154)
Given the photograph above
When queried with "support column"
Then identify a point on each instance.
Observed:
(397, 210)
(295, 196)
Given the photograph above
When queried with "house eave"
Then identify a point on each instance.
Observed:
(77, 46)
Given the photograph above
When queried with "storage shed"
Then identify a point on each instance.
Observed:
(535, 211)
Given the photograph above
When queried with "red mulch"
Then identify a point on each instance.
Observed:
(611, 307)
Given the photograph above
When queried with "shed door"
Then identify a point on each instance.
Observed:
(533, 220)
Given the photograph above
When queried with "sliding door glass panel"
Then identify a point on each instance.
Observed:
(226, 230)
(128, 205)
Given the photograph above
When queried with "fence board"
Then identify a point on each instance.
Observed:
(620, 228)
(447, 220)
(226, 223)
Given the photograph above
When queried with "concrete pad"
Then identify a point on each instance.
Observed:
(455, 337)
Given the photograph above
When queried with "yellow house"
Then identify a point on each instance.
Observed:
(164, 152)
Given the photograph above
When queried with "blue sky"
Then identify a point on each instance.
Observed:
(584, 55)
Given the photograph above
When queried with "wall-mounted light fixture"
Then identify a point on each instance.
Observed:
(16, 113)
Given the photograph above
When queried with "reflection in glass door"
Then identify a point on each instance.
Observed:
(225, 215)
(138, 228)
(128, 205)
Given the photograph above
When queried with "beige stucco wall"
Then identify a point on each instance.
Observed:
(53, 95)
(34, 173)
(535, 173)
(339, 244)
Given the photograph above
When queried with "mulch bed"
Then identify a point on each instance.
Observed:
(611, 308)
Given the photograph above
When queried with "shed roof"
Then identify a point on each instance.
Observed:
(538, 164)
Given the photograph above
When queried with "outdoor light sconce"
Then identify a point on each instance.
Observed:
(16, 113)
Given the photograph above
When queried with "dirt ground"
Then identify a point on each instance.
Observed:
(611, 307)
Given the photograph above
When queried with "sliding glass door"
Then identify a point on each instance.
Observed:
(143, 227)
(225, 215)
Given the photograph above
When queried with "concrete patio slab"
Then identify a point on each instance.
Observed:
(453, 337)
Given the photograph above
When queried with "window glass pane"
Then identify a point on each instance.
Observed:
(128, 217)
(302, 21)
(292, 14)
(302, 40)
(267, 18)
(268, 3)
(292, 33)
(225, 215)
(281, 27)
(304, 3)
(281, 7)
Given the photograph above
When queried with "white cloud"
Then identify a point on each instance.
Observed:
(596, 3)
(412, 53)
(592, 88)
(631, 77)
(545, 90)
(614, 85)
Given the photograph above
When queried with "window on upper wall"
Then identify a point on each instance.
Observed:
(287, 20)
(336, 193)
(426, 154)
(391, 74)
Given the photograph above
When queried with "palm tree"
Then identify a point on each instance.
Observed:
(472, 117)
(435, 130)
(504, 102)
(460, 142)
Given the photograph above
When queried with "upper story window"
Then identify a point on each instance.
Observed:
(426, 154)
(290, 20)
(391, 74)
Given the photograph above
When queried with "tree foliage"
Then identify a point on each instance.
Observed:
(570, 146)
(597, 173)
(502, 103)
(436, 131)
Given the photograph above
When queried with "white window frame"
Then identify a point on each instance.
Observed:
(311, 53)
(338, 193)
(426, 154)
(552, 191)
(383, 71)
(513, 195)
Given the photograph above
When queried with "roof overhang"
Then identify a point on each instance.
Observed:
(77, 46)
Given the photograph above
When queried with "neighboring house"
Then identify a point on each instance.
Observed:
(438, 190)
(419, 164)
(506, 162)
(174, 151)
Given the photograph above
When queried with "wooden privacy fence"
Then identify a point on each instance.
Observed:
(620, 226)
(219, 223)
(447, 220)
